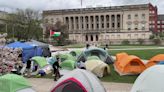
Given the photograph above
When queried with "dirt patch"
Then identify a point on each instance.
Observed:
(45, 85)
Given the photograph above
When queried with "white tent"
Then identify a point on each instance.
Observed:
(97, 67)
(78, 81)
(151, 80)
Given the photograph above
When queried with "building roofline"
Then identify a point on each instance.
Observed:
(122, 7)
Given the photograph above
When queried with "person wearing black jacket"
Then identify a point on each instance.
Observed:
(56, 69)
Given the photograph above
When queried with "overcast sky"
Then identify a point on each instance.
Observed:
(11, 5)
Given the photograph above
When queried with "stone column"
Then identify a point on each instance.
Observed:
(94, 22)
(70, 24)
(121, 22)
(84, 23)
(79, 20)
(99, 21)
(110, 22)
(74, 22)
(105, 27)
(115, 22)
(89, 22)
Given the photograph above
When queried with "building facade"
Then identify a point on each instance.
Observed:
(160, 23)
(105, 24)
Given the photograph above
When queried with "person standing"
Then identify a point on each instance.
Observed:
(28, 67)
(56, 69)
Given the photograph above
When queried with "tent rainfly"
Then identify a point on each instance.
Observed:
(97, 67)
(78, 81)
(154, 60)
(151, 80)
(128, 64)
(99, 52)
(14, 83)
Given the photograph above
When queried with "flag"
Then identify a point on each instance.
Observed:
(55, 34)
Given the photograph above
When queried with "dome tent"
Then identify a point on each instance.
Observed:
(97, 67)
(14, 83)
(154, 60)
(68, 64)
(128, 64)
(99, 52)
(45, 47)
(78, 80)
(151, 80)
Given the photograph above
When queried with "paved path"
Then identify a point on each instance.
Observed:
(44, 85)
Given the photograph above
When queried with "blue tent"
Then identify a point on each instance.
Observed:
(161, 63)
(28, 50)
(45, 47)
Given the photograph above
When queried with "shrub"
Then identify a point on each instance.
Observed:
(125, 42)
(141, 41)
(157, 41)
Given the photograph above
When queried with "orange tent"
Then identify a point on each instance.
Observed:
(128, 64)
(154, 60)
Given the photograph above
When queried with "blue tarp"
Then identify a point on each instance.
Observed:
(161, 63)
(28, 50)
(45, 47)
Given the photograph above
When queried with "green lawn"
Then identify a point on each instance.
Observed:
(125, 47)
(115, 77)
(75, 46)
(143, 54)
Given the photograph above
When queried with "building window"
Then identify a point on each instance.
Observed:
(159, 26)
(136, 15)
(102, 25)
(97, 37)
(129, 16)
(143, 27)
(118, 25)
(113, 25)
(129, 29)
(159, 22)
(87, 26)
(92, 26)
(143, 16)
(86, 37)
(107, 25)
(97, 25)
(91, 37)
(136, 27)
(162, 26)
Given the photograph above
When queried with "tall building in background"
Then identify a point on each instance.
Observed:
(160, 23)
(105, 24)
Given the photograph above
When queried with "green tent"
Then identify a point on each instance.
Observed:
(68, 64)
(67, 56)
(41, 61)
(13, 83)
(75, 53)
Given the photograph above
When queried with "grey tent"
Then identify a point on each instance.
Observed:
(44, 46)
(98, 52)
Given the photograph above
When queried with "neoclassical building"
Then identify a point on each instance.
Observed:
(105, 24)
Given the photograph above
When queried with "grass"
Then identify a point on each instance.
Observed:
(143, 54)
(75, 46)
(115, 77)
